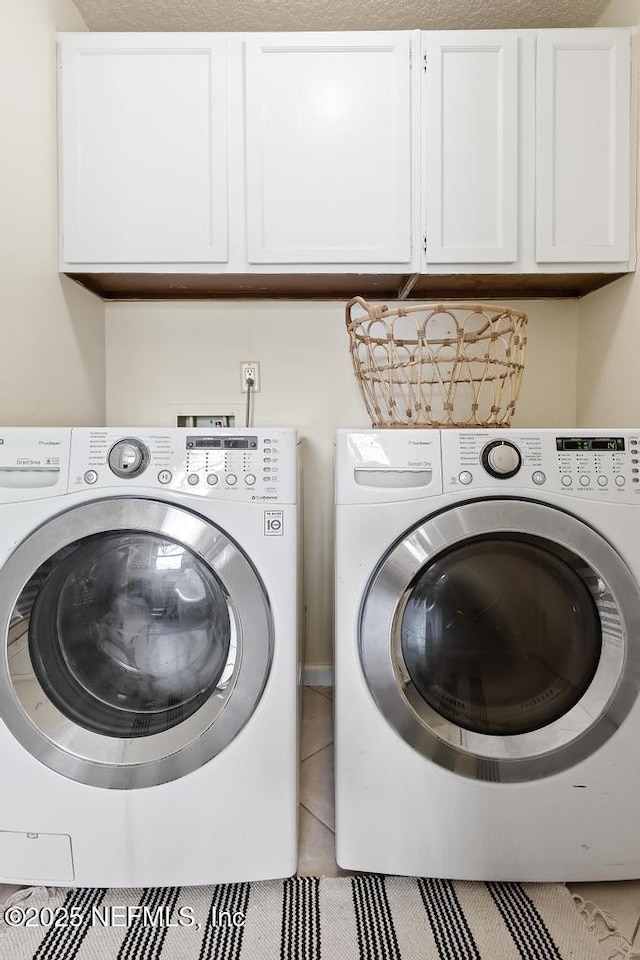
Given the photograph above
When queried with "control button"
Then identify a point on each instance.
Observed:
(165, 476)
(90, 476)
(193, 479)
(603, 481)
(620, 481)
(566, 481)
(635, 470)
(585, 481)
(538, 477)
(212, 479)
(267, 449)
(267, 469)
(465, 477)
(249, 479)
(231, 479)
(501, 459)
(128, 458)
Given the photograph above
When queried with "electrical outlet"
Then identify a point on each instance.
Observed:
(250, 370)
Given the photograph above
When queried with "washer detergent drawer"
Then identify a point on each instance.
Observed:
(37, 857)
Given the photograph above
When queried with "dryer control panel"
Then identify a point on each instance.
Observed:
(593, 464)
(240, 465)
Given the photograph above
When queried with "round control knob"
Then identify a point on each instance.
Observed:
(128, 458)
(90, 476)
(566, 480)
(584, 480)
(501, 459)
(538, 477)
(602, 481)
(212, 479)
(193, 479)
(231, 479)
(620, 480)
(250, 479)
(465, 477)
(165, 476)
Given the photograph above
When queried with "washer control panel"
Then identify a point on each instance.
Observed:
(241, 465)
(594, 464)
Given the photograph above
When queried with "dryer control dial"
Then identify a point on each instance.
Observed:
(128, 458)
(501, 459)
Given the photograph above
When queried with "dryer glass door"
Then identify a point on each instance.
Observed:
(500, 635)
(138, 642)
(500, 638)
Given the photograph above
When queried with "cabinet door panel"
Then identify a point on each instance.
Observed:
(582, 118)
(328, 149)
(144, 148)
(470, 137)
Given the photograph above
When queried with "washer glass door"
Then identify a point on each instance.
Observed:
(129, 633)
(500, 638)
(138, 642)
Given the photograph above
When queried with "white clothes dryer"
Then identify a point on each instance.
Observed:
(148, 684)
(487, 650)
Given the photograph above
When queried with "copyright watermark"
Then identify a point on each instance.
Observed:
(118, 916)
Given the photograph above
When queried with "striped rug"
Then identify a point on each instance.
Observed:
(348, 918)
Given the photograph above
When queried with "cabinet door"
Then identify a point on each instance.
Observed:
(144, 148)
(328, 148)
(470, 133)
(582, 119)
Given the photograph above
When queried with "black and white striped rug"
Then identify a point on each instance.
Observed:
(347, 918)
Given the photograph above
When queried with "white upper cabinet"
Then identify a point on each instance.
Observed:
(143, 148)
(583, 152)
(470, 133)
(328, 149)
(341, 154)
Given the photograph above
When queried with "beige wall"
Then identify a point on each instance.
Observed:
(608, 388)
(52, 332)
(160, 354)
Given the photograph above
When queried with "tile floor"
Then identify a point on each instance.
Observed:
(316, 850)
(317, 847)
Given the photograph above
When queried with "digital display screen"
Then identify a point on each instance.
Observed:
(222, 443)
(608, 444)
(204, 443)
(239, 443)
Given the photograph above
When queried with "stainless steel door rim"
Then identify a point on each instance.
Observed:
(118, 762)
(555, 746)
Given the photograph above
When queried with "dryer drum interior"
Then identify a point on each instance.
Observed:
(495, 638)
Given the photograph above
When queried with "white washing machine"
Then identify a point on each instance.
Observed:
(148, 684)
(487, 648)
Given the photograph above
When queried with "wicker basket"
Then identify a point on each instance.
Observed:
(438, 365)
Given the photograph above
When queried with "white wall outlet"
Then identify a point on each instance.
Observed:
(250, 370)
